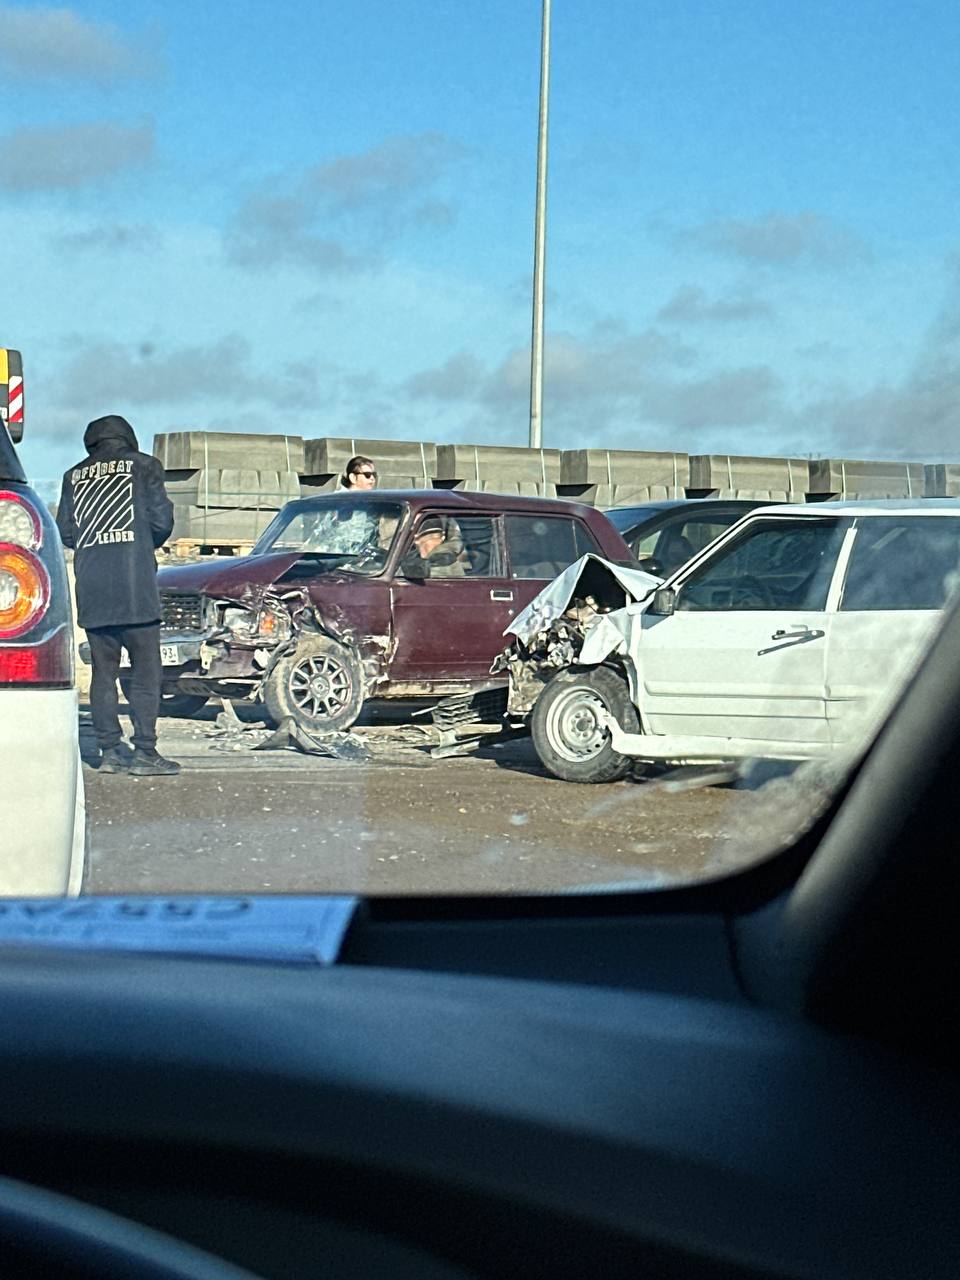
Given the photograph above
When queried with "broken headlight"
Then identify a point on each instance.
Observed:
(247, 624)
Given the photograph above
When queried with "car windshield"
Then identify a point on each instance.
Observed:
(337, 400)
(625, 518)
(355, 533)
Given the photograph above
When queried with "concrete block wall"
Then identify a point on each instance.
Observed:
(733, 476)
(227, 485)
(848, 478)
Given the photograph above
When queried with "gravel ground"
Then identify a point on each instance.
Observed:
(238, 820)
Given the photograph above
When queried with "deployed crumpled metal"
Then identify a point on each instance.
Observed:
(550, 633)
(590, 575)
(338, 746)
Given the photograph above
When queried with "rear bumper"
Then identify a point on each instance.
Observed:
(42, 813)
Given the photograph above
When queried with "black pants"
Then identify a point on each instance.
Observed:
(142, 643)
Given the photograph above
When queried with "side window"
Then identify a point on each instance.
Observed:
(774, 566)
(447, 546)
(543, 546)
(481, 546)
(586, 542)
(679, 541)
(902, 563)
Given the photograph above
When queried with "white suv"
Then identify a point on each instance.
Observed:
(788, 637)
(42, 814)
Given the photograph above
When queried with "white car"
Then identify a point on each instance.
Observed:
(42, 812)
(788, 637)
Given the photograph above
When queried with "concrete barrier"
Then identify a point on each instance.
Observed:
(747, 476)
(487, 468)
(848, 478)
(239, 488)
(215, 450)
(603, 471)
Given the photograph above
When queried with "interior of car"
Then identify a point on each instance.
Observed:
(754, 1075)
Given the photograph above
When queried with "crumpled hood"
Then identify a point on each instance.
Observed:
(550, 603)
(111, 432)
(232, 579)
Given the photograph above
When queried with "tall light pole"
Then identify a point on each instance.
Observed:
(540, 240)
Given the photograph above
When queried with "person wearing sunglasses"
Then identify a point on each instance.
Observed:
(360, 473)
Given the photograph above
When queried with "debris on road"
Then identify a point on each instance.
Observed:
(338, 746)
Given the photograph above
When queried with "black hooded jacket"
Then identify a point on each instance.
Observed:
(114, 512)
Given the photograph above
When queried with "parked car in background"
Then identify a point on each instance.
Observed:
(41, 785)
(789, 637)
(664, 535)
(376, 594)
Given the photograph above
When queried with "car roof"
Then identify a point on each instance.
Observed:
(869, 507)
(465, 499)
(670, 504)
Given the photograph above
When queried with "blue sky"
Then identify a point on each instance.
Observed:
(319, 219)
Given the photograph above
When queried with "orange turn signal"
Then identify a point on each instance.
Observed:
(24, 590)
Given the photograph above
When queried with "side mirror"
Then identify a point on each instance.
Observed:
(650, 564)
(664, 602)
(413, 567)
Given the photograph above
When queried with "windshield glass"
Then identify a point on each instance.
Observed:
(624, 518)
(356, 532)
(318, 582)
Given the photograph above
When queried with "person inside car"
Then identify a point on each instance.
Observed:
(440, 548)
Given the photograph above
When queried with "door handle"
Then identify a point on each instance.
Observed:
(800, 630)
(799, 635)
(496, 594)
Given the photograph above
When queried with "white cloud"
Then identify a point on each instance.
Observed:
(62, 157)
(334, 217)
(148, 374)
(691, 305)
(777, 239)
(58, 43)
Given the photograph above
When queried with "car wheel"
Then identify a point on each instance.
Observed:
(319, 685)
(172, 701)
(567, 726)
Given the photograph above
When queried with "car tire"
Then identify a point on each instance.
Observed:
(567, 735)
(172, 701)
(319, 686)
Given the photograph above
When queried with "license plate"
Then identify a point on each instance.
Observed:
(169, 656)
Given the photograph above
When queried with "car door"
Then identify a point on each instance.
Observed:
(899, 572)
(451, 628)
(743, 654)
(540, 547)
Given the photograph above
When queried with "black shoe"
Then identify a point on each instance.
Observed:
(150, 764)
(112, 760)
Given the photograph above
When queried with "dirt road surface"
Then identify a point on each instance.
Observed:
(239, 820)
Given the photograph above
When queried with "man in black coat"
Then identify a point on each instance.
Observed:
(114, 512)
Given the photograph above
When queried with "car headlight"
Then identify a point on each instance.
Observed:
(248, 625)
(240, 622)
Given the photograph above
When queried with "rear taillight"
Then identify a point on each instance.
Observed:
(36, 642)
(49, 663)
(19, 521)
(24, 591)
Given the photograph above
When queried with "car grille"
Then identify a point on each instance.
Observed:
(181, 611)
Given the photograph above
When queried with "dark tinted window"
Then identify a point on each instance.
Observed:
(901, 563)
(624, 518)
(543, 546)
(776, 566)
(673, 543)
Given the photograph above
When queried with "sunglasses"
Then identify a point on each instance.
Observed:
(367, 475)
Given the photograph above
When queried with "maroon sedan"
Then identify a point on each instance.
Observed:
(367, 595)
